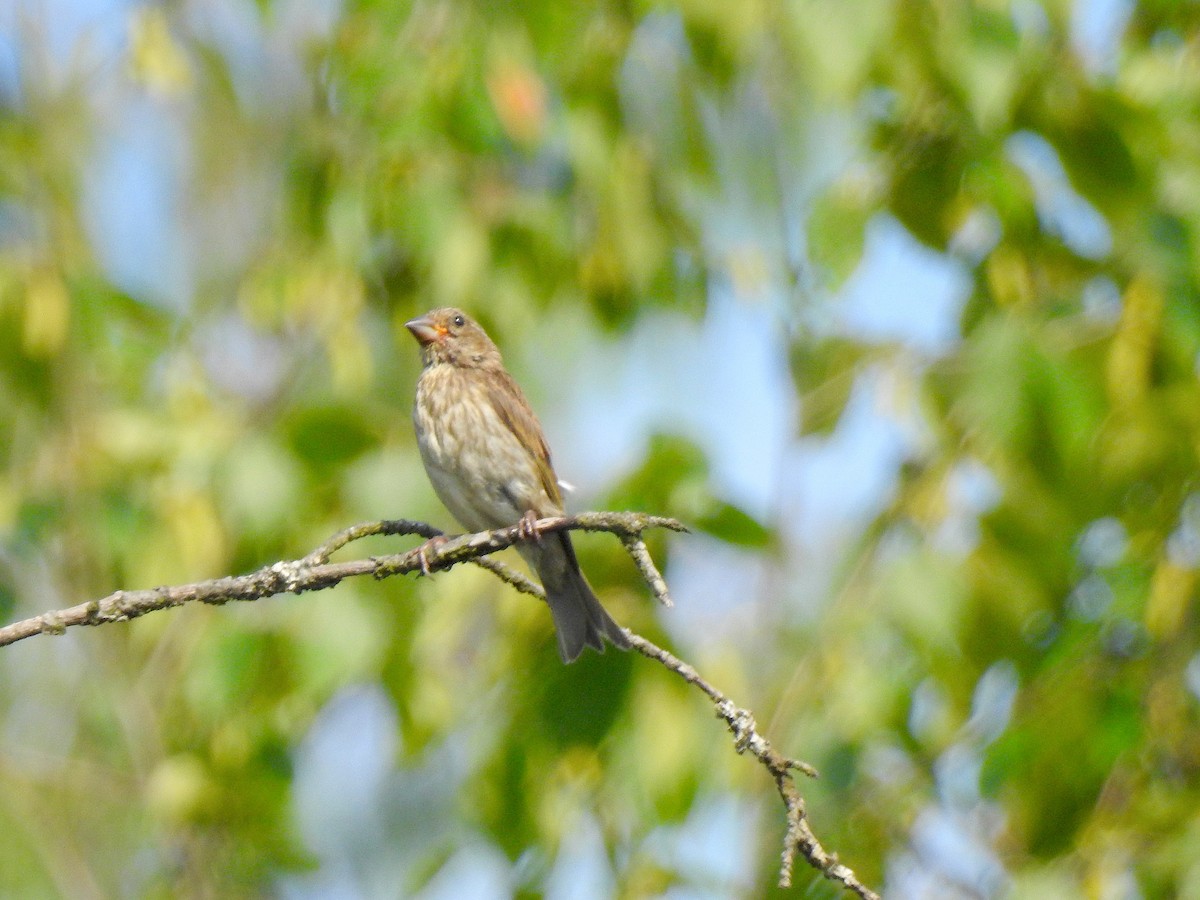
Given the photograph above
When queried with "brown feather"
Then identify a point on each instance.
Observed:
(515, 412)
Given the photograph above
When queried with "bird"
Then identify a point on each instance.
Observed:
(487, 459)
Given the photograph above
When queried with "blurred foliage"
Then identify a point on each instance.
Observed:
(1010, 666)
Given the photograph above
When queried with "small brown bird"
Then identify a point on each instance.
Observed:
(488, 461)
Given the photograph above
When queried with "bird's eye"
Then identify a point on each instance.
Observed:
(459, 321)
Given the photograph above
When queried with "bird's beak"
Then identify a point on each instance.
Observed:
(424, 330)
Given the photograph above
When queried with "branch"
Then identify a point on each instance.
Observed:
(315, 572)
(741, 724)
(799, 836)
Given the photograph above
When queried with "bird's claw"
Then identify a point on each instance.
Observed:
(528, 528)
(422, 552)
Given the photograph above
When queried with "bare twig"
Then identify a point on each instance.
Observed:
(799, 837)
(367, 529)
(641, 558)
(316, 572)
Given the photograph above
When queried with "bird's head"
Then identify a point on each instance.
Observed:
(449, 335)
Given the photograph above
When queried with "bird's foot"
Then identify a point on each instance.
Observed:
(527, 527)
(423, 551)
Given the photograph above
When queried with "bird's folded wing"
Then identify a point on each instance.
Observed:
(518, 416)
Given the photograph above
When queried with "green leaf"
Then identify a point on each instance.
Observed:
(731, 524)
(326, 437)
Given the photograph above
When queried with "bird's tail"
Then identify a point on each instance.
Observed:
(579, 619)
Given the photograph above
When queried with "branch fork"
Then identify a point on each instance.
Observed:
(440, 552)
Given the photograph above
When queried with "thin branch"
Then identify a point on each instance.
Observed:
(640, 555)
(316, 572)
(321, 554)
(521, 582)
(799, 836)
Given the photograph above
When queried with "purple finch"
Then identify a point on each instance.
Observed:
(488, 461)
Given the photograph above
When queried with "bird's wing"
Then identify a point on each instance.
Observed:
(518, 416)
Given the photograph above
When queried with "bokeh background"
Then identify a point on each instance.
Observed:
(894, 302)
